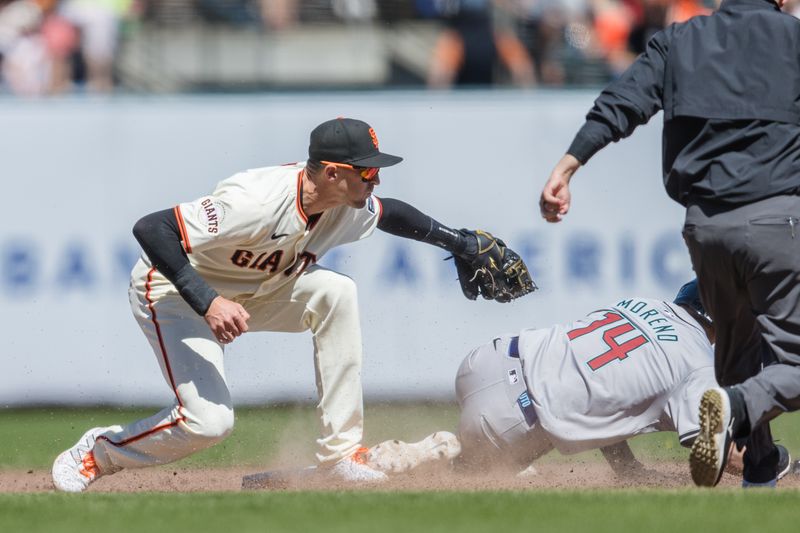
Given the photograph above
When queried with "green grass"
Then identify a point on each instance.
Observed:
(619, 511)
(31, 438)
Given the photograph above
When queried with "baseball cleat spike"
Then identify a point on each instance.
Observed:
(710, 449)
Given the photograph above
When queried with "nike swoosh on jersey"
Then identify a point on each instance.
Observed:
(279, 235)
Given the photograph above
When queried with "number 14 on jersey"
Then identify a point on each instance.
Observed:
(611, 327)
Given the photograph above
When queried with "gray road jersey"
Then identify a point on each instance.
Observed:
(636, 367)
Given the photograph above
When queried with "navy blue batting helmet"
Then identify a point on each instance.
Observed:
(689, 295)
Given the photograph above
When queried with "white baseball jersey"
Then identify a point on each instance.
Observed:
(250, 240)
(251, 235)
(637, 367)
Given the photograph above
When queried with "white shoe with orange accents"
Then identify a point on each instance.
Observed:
(75, 469)
(355, 469)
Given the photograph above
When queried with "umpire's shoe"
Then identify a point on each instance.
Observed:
(75, 468)
(710, 449)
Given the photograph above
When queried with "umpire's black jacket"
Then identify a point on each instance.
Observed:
(729, 85)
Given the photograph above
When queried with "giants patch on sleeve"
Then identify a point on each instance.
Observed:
(211, 214)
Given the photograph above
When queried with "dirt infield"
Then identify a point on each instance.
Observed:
(549, 476)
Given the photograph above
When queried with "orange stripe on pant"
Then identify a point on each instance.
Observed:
(151, 306)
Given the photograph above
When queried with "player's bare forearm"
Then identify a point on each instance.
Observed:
(621, 459)
(226, 319)
(555, 199)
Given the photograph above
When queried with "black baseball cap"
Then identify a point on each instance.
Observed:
(351, 141)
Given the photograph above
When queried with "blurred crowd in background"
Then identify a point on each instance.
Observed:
(99, 46)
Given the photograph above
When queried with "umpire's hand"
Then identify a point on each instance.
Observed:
(555, 199)
(227, 319)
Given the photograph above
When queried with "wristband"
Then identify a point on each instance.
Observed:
(194, 289)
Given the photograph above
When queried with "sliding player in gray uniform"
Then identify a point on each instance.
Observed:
(635, 367)
(243, 259)
(638, 366)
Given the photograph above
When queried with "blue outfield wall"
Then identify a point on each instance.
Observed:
(77, 174)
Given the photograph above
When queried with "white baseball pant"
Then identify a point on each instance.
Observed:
(191, 360)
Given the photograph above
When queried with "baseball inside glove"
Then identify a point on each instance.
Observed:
(495, 271)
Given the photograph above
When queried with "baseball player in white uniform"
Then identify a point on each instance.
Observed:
(244, 259)
(638, 366)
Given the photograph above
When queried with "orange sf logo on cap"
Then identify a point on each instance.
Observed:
(374, 137)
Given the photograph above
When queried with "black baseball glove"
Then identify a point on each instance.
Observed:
(493, 271)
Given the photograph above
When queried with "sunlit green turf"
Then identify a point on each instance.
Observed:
(619, 511)
(31, 438)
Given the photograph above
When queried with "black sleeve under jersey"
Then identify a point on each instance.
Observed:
(403, 220)
(160, 238)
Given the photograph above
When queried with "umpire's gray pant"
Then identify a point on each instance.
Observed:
(747, 261)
